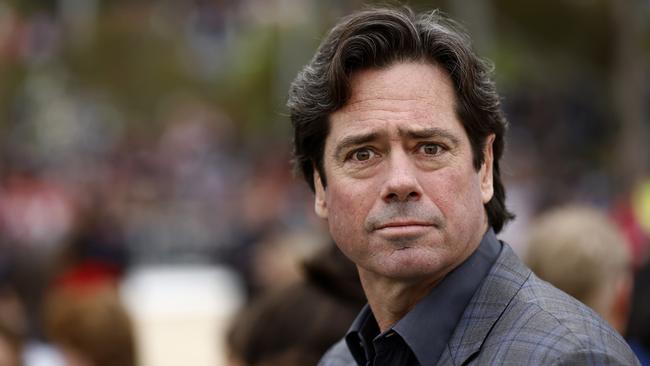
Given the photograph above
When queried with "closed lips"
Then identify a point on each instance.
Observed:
(402, 224)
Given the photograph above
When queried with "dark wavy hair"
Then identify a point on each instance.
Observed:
(377, 38)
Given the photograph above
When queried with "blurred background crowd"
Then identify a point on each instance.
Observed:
(146, 192)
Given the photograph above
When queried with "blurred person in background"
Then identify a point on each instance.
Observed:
(19, 329)
(582, 252)
(399, 131)
(85, 318)
(13, 323)
(277, 260)
(638, 330)
(11, 346)
(294, 324)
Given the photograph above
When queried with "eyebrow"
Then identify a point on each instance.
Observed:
(425, 133)
(354, 140)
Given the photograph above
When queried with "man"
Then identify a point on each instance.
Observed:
(580, 237)
(399, 132)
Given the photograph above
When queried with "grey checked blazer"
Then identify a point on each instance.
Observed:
(515, 318)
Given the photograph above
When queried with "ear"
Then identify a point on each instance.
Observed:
(320, 199)
(485, 173)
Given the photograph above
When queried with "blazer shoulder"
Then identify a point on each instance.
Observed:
(553, 326)
(516, 318)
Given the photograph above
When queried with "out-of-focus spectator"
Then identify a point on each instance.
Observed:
(581, 251)
(33, 212)
(294, 325)
(628, 220)
(19, 342)
(639, 327)
(333, 272)
(85, 318)
(11, 345)
(276, 260)
(13, 318)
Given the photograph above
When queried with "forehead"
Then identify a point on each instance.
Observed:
(414, 93)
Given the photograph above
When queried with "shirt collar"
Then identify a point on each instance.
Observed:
(427, 328)
(360, 335)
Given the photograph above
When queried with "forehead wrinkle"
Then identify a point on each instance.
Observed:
(418, 107)
(354, 102)
(435, 94)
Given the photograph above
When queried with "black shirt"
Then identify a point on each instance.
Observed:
(421, 335)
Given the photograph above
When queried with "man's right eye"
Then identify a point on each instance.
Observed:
(362, 154)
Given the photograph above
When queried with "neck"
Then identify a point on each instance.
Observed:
(390, 299)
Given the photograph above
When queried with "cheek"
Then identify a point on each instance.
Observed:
(340, 202)
(456, 193)
(348, 209)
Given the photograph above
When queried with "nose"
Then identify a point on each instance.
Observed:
(401, 183)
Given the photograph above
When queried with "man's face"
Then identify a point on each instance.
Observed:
(403, 200)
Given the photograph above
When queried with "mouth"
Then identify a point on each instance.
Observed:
(403, 229)
(403, 224)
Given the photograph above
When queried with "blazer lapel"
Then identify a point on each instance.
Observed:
(489, 302)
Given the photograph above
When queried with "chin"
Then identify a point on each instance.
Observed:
(410, 263)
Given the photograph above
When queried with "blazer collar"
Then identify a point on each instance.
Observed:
(487, 305)
(428, 327)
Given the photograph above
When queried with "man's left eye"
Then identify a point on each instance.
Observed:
(430, 149)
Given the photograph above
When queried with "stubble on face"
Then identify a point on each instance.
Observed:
(405, 237)
(401, 213)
